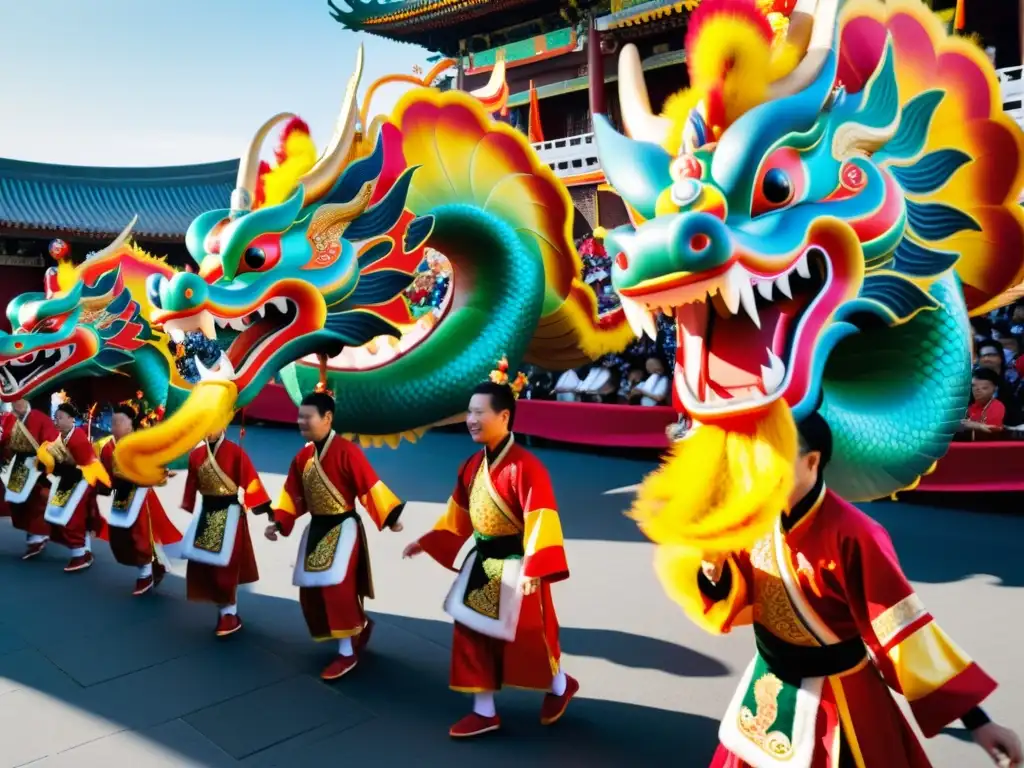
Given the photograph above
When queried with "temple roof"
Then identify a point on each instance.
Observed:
(98, 202)
(438, 25)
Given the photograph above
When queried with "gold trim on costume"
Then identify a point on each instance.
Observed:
(755, 725)
(214, 530)
(888, 624)
(845, 719)
(21, 439)
(321, 495)
(322, 557)
(59, 450)
(772, 607)
(486, 516)
(495, 497)
(211, 480)
(19, 474)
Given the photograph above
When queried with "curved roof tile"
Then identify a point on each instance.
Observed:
(100, 201)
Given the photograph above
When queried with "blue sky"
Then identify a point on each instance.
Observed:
(165, 82)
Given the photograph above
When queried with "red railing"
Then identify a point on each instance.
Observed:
(975, 467)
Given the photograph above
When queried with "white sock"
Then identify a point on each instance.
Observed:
(483, 704)
(88, 543)
(559, 683)
(35, 538)
(145, 571)
(229, 610)
(345, 646)
(79, 552)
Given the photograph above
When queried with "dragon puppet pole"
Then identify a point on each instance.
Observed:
(321, 385)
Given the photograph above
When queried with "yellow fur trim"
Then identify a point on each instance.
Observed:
(755, 65)
(391, 441)
(720, 491)
(280, 182)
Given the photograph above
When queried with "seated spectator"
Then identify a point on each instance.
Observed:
(567, 385)
(628, 392)
(1017, 319)
(656, 388)
(601, 382)
(540, 384)
(990, 355)
(985, 414)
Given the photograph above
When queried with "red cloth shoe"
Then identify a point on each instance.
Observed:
(79, 563)
(144, 585)
(228, 624)
(35, 549)
(340, 667)
(554, 706)
(474, 725)
(363, 638)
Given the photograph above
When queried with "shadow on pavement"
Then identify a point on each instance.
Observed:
(938, 545)
(82, 663)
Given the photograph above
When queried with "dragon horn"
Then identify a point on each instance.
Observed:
(641, 124)
(249, 167)
(320, 179)
(117, 243)
(811, 30)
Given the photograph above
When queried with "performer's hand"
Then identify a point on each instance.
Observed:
(412, 549)
(999, 743)
(397, 527)
(713, 569)
(529, 586)
(271, 532)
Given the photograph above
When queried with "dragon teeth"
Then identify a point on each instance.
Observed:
(802, 267)
(773, 374)
(782, 281)
(639, 318)
(281, 304)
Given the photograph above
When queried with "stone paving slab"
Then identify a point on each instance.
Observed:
(90, 676)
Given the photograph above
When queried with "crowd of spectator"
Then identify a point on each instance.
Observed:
(996, 407)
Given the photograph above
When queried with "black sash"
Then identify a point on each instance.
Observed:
(217, 503)
(793, 663)
(68, 476)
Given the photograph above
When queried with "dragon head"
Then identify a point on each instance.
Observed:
(87, 323)
(782, 228)
(317, 265)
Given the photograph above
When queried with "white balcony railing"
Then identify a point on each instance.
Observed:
(1011, 79)
(570, 156)
(576, 155)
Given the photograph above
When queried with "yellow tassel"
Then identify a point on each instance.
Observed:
(46, 458)
(721, 489)
(95, 472)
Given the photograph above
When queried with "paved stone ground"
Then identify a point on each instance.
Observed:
(92, 677)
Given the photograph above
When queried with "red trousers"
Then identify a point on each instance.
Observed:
(335, 612)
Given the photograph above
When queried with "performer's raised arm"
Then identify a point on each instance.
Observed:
(916, 658)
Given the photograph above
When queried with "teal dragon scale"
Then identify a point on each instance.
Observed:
(821, 239)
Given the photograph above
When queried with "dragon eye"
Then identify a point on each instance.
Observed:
(776, 186)
(254, 258)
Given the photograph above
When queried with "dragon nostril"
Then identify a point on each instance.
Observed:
(153, 284)
(188, 293)
(621, 261)
(699, 242)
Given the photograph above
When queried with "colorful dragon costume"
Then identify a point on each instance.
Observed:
(821, 218)
(301, 280)
(91, 321)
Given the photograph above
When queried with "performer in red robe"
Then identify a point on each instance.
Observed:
(332, 570)
(137, 522)
(72, 511)
(7, 419)
(506, 631)
(837, 627)
(28, 488)
(217, 545)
